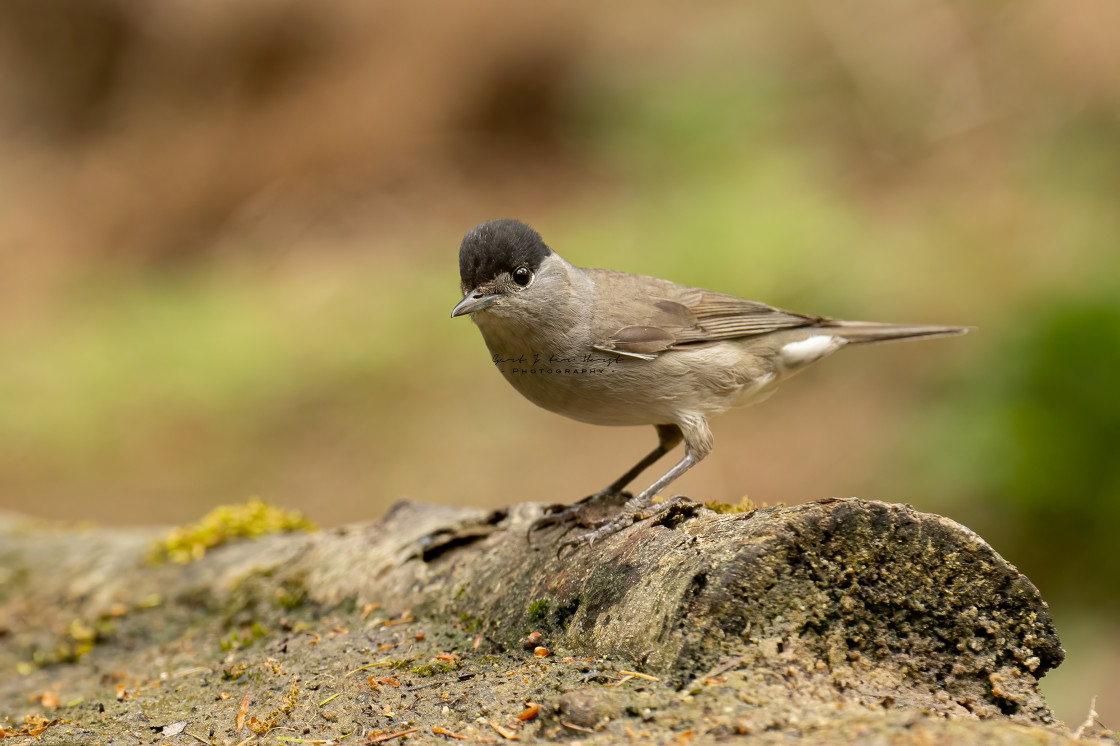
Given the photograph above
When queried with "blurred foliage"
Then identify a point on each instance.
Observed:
(1027, 455)
(201, 345)
(224, 524)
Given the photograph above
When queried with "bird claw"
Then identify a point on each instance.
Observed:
(656, 511)
(575, 515)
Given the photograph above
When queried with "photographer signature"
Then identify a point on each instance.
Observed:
(538, 360)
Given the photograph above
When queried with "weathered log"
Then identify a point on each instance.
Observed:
(828, 608)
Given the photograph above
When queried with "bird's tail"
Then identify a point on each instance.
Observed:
(859, 332)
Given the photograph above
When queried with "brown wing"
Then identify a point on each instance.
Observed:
(647, 316)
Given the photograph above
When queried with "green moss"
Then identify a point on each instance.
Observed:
(80, 639)
(244, 638)
(290, 595)
(538, 611)
(225, 524)
(745, 505)
(432, 669)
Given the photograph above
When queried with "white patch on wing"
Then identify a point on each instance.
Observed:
(806, 351)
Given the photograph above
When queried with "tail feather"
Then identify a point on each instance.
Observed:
(859, 332)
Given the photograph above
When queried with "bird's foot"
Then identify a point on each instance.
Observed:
(635, 510)
(587, 513)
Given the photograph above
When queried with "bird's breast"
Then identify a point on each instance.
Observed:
(556, 371)
(602, 388)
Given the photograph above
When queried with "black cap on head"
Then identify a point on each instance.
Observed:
(498, 246)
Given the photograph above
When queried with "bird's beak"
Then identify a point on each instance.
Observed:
(475, 301)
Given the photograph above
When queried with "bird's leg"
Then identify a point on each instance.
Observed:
(698, 444)
(668, 437)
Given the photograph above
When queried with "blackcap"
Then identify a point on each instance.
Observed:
(612, 348)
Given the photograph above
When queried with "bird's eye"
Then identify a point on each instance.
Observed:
(522, 276)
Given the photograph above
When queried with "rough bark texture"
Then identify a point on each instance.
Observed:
(837, 620)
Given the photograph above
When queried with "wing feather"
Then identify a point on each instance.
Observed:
(646, 316)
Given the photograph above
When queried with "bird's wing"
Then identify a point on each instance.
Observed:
(644, 316)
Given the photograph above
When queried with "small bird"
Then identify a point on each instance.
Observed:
(612, 348)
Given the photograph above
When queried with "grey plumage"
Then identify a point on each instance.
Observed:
(613, 348)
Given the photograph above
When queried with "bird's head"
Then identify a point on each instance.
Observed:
(503, 266)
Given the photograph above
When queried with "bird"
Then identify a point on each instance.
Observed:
(612, 348)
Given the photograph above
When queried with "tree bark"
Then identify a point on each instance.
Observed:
(812, 612)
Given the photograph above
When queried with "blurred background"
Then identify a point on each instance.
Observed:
(229, 234)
